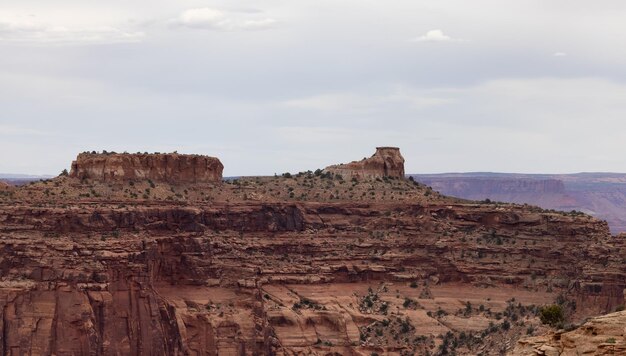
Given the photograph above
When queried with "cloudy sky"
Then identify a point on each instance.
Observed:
(288, 85)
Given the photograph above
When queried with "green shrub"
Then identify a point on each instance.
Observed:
(551, 314)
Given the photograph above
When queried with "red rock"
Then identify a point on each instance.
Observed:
(109, 276)
(386, 162)
(172, 168)
(602, 335)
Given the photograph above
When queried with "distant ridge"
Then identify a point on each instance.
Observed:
(24, 176)
(600, 194)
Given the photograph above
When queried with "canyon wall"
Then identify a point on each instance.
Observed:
(484, 187)
(225, 278)
(599, 194)
(305, 264)
(172, 167)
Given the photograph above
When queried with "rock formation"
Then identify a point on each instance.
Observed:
(603, 335)
(172, 167)
(288, 265)
(386, 162)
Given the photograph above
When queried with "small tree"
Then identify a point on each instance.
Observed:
(551, 314)
(64, 173)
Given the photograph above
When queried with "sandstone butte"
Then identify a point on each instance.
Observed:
(171, 168)
(137, 262)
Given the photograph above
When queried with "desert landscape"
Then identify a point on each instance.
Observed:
(151, 254)
(312, 178)
(602, 195)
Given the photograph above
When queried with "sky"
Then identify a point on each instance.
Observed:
(289, 85)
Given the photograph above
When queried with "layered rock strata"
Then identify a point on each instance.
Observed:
(603, 335)
(386, 162)
(172, 167)
(224, 278)
(318, 269)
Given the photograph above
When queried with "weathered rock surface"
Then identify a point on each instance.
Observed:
(172, 167)
(603, 335)
(244, 269)
(111, 278)
(386, 162)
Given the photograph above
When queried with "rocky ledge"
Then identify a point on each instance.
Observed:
(171, 167)
(603, 335)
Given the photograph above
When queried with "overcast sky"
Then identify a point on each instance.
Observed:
(289, 85)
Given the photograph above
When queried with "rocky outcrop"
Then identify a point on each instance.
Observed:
(603, 335)
(389, 268)
(172, 168)
(386, 162)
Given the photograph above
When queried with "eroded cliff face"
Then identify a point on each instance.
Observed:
(283, 266)
(172, 168)
(281, 278)
(386, 162)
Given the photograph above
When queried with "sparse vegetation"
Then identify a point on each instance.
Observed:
(552, 315)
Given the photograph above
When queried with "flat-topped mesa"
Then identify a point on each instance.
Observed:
(386, 162)
(161, 167)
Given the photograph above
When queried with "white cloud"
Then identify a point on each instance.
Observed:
(31, 29)
(559, 54)
(434, 36)
(212, 19)
(204, 18)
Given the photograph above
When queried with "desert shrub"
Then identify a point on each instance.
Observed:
(551, 314)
